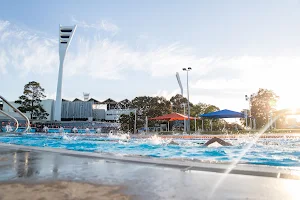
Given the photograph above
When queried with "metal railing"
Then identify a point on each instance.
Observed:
(18, 111)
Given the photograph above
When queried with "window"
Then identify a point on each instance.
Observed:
(63, 42)
(64, 36)
(66, 30)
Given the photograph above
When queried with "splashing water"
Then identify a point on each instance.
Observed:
(68, 138)
(45, 129)
(61, 129)
(156, 140)
(75, 130)
(98, 130)
(118, 136)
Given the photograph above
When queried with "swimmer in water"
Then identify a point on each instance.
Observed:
(218, 140)
(209, 142)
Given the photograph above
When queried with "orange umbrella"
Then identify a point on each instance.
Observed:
(172, 117)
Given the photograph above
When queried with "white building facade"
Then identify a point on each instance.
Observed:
(74, 110)
(114, 114)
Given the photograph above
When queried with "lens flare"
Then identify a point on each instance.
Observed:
(245, 150)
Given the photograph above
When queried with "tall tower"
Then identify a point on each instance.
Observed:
(65, 36)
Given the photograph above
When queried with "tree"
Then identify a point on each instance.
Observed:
(233, 126)
(150, 107)
(262, 105)
(125, 104)
(218, 124)
(243, 120)
(31, 101)
(127, 122)
(281, 122)
(202, 108)
(177, 101)
(196, 110)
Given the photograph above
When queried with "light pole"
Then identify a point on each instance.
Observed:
(134, 121)
(249, 99)
(188, 95)
(195, 124)
(184, 124)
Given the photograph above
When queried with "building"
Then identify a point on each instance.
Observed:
(79, 110)
(114, 114)
(47, 104)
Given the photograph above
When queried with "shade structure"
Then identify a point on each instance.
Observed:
(223, 114)
(172, 117)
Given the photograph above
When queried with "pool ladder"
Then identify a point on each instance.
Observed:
(18, 111)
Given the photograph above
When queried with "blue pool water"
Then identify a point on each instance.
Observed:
(273, 152)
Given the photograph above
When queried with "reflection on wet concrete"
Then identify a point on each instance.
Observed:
(141, 181)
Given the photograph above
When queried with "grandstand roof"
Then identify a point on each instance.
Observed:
(109, 101)
(95, 100)
(77, 99)
(124, 101)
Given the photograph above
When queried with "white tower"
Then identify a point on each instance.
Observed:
(86, 96)
(65, 36)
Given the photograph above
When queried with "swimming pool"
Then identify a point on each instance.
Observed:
(273, 152)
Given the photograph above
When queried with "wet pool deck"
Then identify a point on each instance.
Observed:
(148, 178)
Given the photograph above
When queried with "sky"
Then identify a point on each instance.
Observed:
(124, 49)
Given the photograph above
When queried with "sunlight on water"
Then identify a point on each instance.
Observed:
(240, 156)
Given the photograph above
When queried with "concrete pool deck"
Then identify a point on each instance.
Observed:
(148, 178)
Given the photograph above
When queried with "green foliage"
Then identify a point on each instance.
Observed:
(262, 105)
(281, 122)
(196, 110)
(177, 102)
(127, 122)
(150, 107)
(243, 120)
(30, 101)
(202, 108)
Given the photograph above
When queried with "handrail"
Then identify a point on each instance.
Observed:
(18, 111)
(17, 123)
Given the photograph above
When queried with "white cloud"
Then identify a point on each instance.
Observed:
(3, 62)
(108, 60)
(101, 25)
(107, 26)
(26, 52)
(251, 73)
(165, 93)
